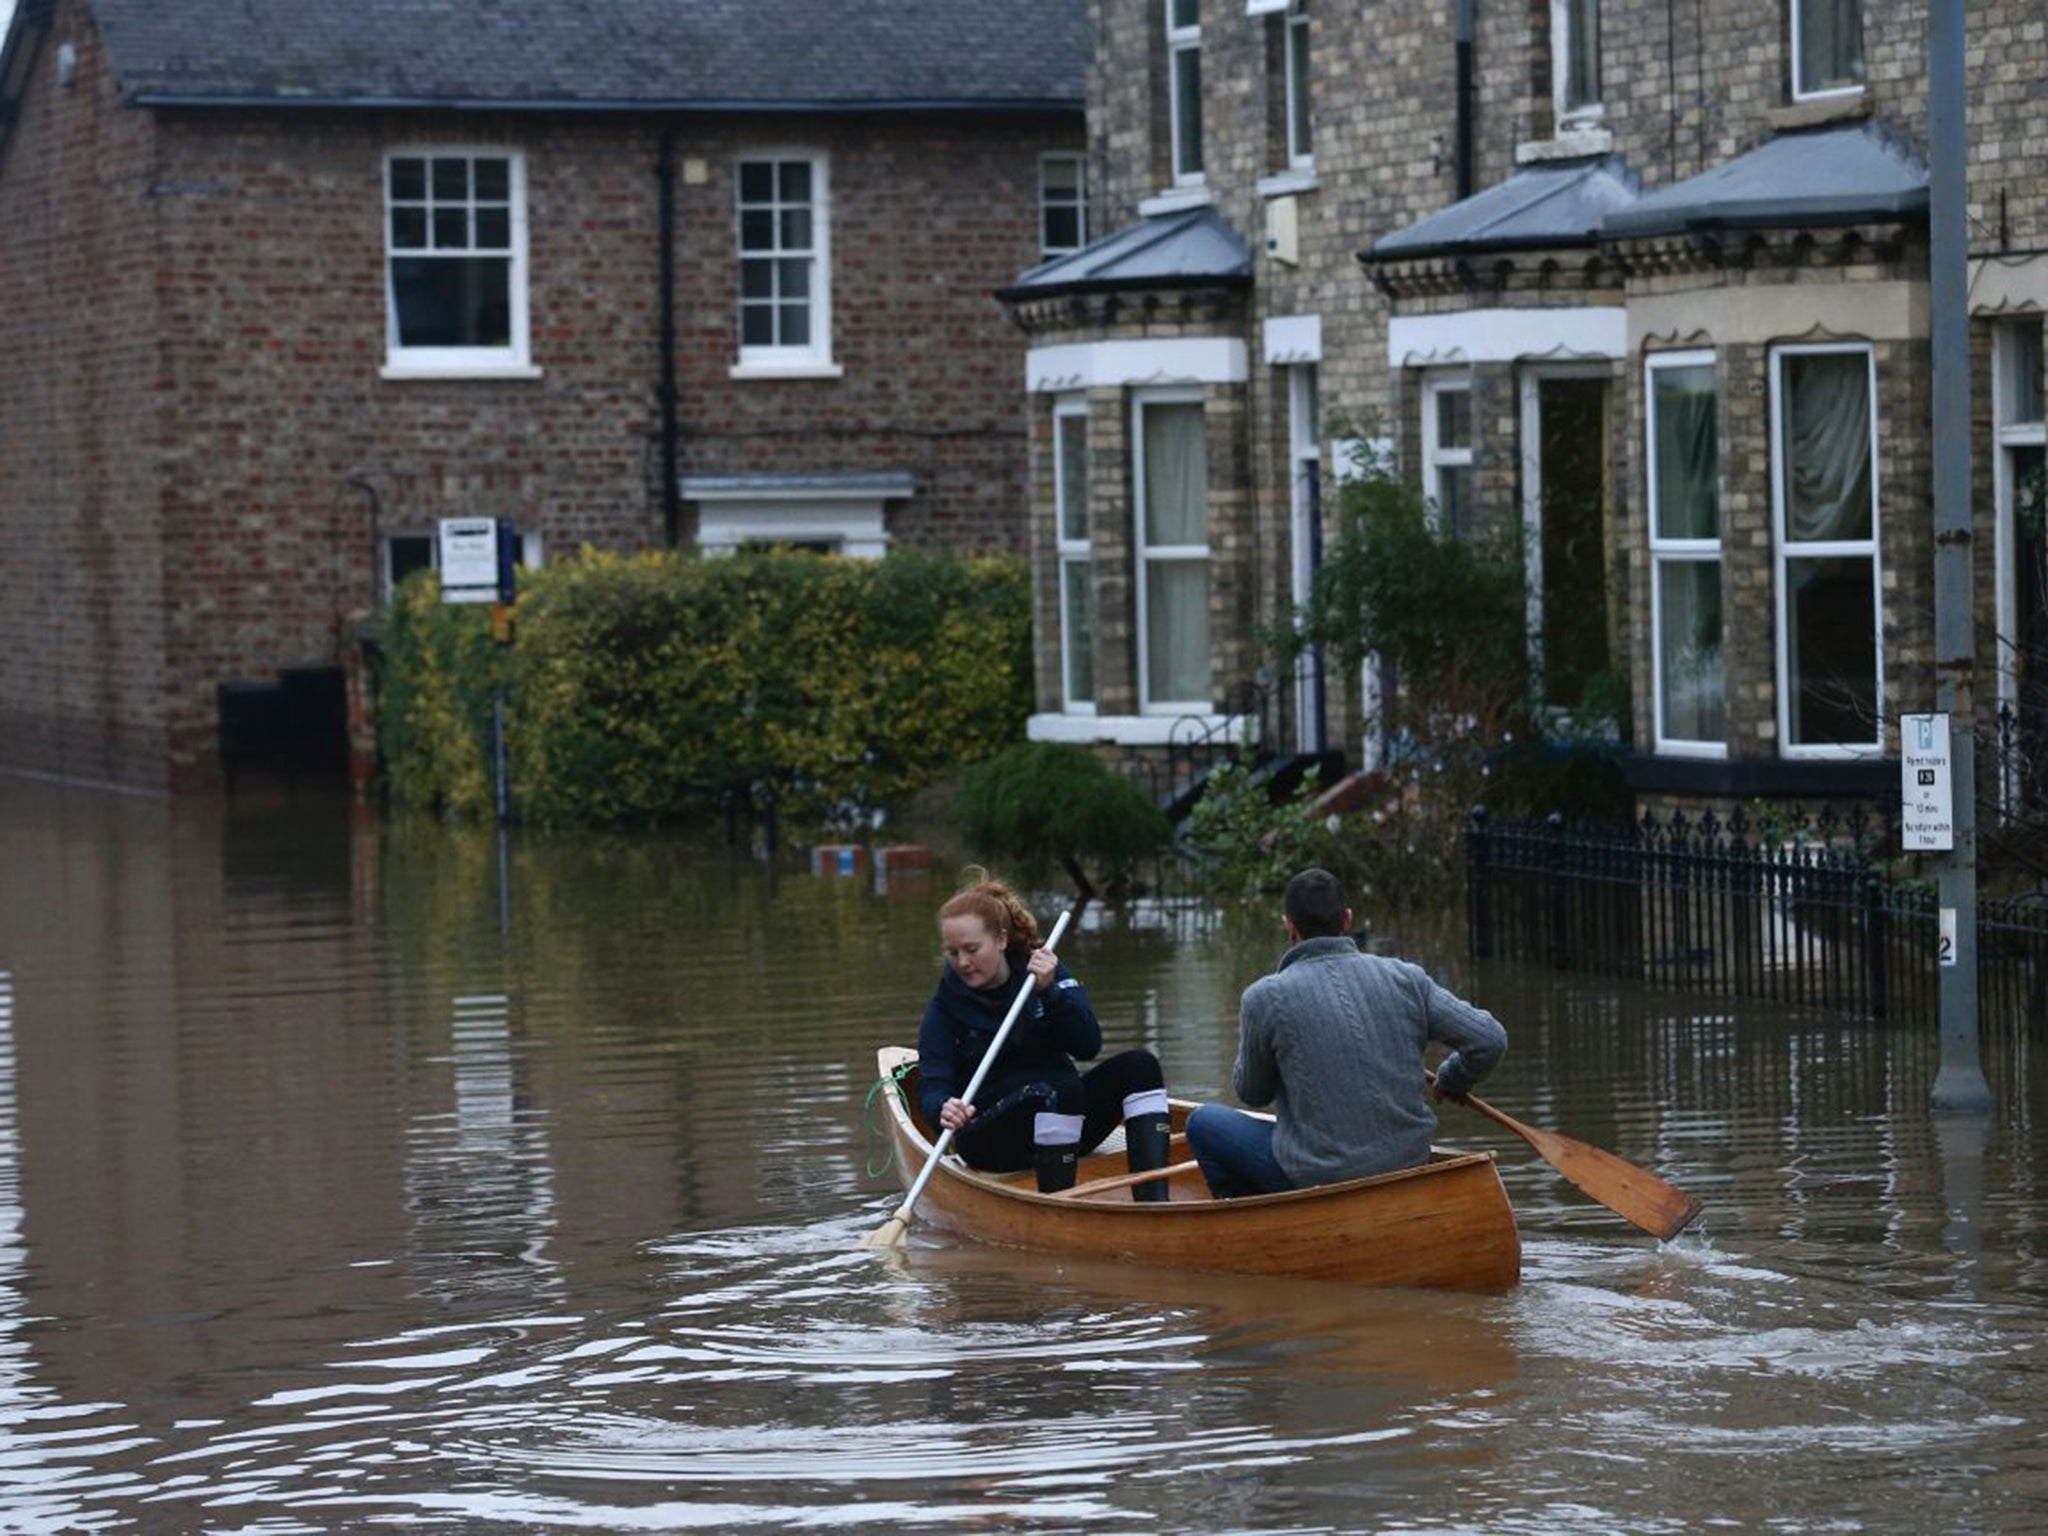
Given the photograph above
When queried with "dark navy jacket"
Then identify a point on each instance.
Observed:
(1056, 1027)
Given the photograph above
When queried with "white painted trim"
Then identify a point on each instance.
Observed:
(1069, 552)
(812, 360)
(1183, 41)
(1759, 314)
(1507, 335)
(1265, 7)
(408, 372)
(1999, 283)
(514, 360)
(1126, 364)
(1293, 339)
(1663, 551)
(1135, 730)
(858, 529)
(1144, 554)
(1871, 548)
(790, 370)
(1833, 93)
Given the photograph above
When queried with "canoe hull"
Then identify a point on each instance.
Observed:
(1447, 1225)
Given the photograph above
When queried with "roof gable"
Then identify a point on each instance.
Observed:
(599, 54)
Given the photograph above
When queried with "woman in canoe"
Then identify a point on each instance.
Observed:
(1036, 1109)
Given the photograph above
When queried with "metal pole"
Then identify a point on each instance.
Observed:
(1960, 1084)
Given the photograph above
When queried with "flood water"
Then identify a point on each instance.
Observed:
(343, 1184)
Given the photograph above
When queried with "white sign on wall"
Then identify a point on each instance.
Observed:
(1926, 785)
(469, 560)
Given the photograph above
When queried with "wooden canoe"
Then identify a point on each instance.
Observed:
(1446, 1225)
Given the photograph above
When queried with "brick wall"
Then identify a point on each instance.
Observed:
(82, 666)
(197, 448)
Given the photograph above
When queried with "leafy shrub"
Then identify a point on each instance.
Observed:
(648, 688)
(1042, 802)
(1249, 845)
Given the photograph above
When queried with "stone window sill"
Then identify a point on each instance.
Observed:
(421, 373)
(1844, 107)
(820, 370)
(1176, 200)
(1287, 183)
(1570, 143)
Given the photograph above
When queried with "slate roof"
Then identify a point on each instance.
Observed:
(1173, 250)
(600, 54)
(1836, 175)
(1562, 203)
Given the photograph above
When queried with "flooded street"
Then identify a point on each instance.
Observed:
(342, 1184)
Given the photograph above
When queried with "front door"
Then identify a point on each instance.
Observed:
(1564, 527)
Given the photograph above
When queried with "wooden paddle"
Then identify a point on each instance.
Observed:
(890, 1233)
(1634, 1194)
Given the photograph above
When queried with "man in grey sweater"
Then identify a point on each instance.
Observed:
(1334, 1041)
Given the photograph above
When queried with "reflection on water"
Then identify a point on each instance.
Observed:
(343, 1183)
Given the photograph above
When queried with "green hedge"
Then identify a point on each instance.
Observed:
(646, 688)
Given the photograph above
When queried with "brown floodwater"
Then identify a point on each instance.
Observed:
(349, 1177)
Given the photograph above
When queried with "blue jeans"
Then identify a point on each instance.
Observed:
(1236, 1152)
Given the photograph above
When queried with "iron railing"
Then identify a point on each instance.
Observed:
(1806, 915)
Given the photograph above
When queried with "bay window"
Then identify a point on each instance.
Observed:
(1688, 668)
(1173, 552)
(1447, 451)
(1825, 516)
(1076, 570)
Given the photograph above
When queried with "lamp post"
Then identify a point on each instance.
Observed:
(1959, 1087)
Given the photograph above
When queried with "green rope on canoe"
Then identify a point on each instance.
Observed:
(877, 1131)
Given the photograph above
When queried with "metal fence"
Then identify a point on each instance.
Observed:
(1804, 915)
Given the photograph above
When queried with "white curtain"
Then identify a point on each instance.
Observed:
(1827, 445)
(1176, 514)
(1688, 454)
(1695, 672)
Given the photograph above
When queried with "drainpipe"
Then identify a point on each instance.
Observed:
(666, 390)
(1467, 105)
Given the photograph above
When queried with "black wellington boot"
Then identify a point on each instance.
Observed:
(1146, 1138)
(1055, 1167)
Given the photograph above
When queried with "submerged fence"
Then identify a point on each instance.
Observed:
(1806, 915)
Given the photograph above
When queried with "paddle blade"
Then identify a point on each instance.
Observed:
(889, 1234)
(1635, 1194)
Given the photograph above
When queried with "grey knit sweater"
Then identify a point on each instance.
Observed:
(1334, 1041)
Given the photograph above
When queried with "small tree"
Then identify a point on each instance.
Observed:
(1042, 803)
(1448, 615)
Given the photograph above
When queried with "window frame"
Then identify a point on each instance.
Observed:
(1870, 548)
(1183, 43)
(1144, 553)
(1299, 100)
(1069, 551)
(515, 358)
(2011, 435)
(1669, 551)
(1797, 54)
(1562, 39)
(811, 359)
(1437, 383)
(1047, 203)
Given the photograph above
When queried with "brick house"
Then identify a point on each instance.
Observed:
(1645, 285)
(281, 287)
